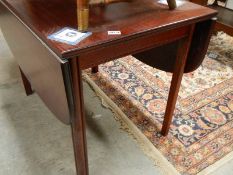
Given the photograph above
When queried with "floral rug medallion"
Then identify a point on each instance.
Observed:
(202, 129)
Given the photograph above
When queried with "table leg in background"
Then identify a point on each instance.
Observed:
(26, 83)
(95, 69)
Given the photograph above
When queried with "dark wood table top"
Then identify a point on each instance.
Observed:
(139, 17)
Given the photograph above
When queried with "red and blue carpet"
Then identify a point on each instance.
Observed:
(201, 133)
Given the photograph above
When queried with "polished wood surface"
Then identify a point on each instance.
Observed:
(78, 120)
(41, 69)
(182, 54)
(133, 19)
(201, 2)
(113, 51)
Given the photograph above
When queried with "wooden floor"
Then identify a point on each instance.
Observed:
(225, 19)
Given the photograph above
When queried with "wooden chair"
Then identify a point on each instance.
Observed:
(83, 10)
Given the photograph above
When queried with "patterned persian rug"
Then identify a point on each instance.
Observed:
(201, 133)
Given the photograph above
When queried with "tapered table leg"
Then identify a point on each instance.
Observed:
(176, 81)
(26, 83)
(95, 69)
(78, 121)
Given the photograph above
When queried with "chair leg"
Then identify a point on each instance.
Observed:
(171, 4)
(26, 83)
(83, 15)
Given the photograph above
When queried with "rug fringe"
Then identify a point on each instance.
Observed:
(147, 147)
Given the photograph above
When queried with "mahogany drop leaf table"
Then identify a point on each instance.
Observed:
(172, 40)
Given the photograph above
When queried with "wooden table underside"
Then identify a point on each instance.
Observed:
(54, 72)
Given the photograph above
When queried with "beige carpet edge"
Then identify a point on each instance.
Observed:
(217, 164)
(148, 148)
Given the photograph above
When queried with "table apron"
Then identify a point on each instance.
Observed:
(132, 46)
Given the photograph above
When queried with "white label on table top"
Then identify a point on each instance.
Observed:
(117, 32)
